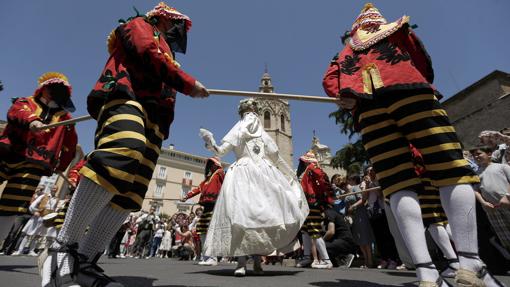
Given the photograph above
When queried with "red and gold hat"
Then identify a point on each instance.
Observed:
(309, 157)
(370, 27)
(52, 78)
(163, 10)
(369, 16)
(216, 160)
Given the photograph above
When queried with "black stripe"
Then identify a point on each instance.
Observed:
(452, 173)
(434, 140)
(443, 156)
(396, 178)
(388, 146)
(125, 202)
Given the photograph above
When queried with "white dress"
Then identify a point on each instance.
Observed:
(261, 205)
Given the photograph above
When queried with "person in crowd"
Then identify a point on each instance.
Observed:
(156, 240)
(260, 196)
(166, 243)
(498, 142)
(361, 228)
(146, 227)
(28, 151)
(133, 103)
(494, 193)
(185, 248)
(338, 238)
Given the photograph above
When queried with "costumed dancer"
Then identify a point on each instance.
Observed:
(209, 190)
(434, 217)
(384, 75)
(319, 195)
(261, 206)
(133, 103)
(27, 152)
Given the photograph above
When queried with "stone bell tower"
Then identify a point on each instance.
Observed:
(275, 115)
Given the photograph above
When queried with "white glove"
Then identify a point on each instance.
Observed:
(208, 138)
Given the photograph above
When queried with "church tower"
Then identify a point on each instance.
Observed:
(275, 115)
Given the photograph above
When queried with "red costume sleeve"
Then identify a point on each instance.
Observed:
(419, 55)
(331, 78)
(74, 172)
(325, 191)
(138, 38)
(194, 191)
(21, 113)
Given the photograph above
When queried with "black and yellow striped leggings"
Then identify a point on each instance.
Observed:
(430, 203)
(389, 122)
(127, 147)
(22, 179)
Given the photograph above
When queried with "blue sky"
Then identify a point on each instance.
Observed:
(229, 44)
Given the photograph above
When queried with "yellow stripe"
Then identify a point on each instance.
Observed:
(16, 197)
(313, 217)
(123, 151)
(142, 180)
(377, 126)
(441, 147)
(431, 131)
(21, 186)
(3, 175)
(121, 135)
(382, 140)
(153, 147)
(421, 115)
(134, 197)
(371, 113)
(12, 208)
(26, 175)
(394, 170)
(390, 154)
(401, 185)
(428, 197)
(92, 175)
(447, 165)
(430, 205)
(155, 127)
(23, 164)
(123, 102)
(457, 180)
(432, 215)
(409, 100)
(148, 163)
(119, 174)
(117, 207)
(120, 117)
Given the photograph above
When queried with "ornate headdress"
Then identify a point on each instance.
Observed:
(163, 10)
(370, 27)
(246, 104)
(309, 157)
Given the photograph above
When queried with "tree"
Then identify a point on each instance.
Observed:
(351, 156)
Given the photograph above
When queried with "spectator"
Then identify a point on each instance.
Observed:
(166, 242)
(146, 225)
(361, 229)
(494, 194)
(156, 240)
(338, 238)
(185, 250)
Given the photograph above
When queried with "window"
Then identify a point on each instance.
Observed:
(282, 122)
(267, 120)
(185, 190)
(187, 175)
(162, 172)
(159, 190)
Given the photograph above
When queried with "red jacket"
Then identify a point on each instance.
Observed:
(141, 67)
(316, 186)
(397, 62)
(209, 189)
(53, 149)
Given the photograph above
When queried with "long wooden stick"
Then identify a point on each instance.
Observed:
(223, 93)
(273, 95)
(377, 188)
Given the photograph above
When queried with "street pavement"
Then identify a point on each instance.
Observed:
(21, 271)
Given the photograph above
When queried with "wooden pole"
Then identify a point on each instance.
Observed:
(377, 188)
(223, 93)
(273, 95)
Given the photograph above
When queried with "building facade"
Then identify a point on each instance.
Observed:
(323, 154)
(481, 106)
(176, 173)
(275, 114)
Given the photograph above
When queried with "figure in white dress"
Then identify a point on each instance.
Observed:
(261, 206)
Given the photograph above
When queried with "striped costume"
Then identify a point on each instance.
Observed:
(209, 190)
(133, 102)
(25, 156)
(389, 72)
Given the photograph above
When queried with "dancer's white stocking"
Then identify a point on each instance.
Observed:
(407, 212)
(441, 238)
(321, 249)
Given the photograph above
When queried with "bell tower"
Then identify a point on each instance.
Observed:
(275, 115)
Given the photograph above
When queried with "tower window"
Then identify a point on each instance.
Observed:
(282, 122)
(267, 120)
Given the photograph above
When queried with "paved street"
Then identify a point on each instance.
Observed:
(21, 272)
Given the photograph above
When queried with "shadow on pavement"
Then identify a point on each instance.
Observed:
(354, 283)
(249, 273)
(12, 268)
(132, 281)
(401, 274)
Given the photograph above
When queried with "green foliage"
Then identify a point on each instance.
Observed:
(351, 156)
